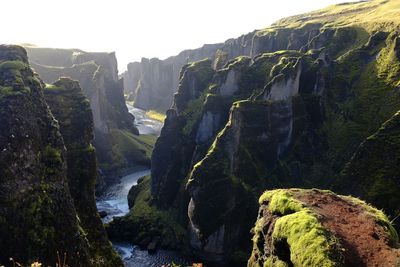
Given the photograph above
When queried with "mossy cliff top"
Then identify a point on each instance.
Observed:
(297, 227)
(372, 15)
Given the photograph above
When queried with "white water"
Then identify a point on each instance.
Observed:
(144, 123)
(114, 202)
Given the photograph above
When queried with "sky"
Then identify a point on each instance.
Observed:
(140, 28)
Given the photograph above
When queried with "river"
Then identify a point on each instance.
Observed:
(115, 203)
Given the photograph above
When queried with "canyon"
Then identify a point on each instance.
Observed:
(264, 138)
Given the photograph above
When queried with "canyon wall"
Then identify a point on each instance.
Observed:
(97, 74)
(291, 111)
(40, 208)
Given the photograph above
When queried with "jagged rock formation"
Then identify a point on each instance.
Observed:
(292, 114)
(318, 228)
(37, 214)
(152, 83)
(72, 110)
(98, 76)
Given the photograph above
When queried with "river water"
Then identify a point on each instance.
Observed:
(115, 203)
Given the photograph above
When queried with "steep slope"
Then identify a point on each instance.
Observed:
(37, 214)
(318, 228)
(72, 110)
(373, 171)
(98, 76)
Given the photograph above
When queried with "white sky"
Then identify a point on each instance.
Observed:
(140, 28)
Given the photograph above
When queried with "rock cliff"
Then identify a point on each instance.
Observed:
(97, 74)
(38, 216)
(152, 83)
(306, 103)
(72, 110)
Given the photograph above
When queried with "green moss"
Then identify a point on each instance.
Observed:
(192, 113)
(53, 87)
(388, 65)
(310, 243)
(371, 15)
(129, 147)
(202, 70)
(145, 220)
(281, 202)
(52, 157)
(12, 65)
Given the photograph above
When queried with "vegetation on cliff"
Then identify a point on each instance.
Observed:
(118, 145)
(291, 113)
(71, 109)
(33, 171)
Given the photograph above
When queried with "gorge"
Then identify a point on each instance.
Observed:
(278, 148)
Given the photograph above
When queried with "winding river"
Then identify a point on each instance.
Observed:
(115, 203)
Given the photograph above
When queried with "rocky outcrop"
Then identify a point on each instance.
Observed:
(319, 228)
(97, 74)
(37, 215)
(71, 109)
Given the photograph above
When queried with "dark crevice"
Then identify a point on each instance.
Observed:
(282, 251)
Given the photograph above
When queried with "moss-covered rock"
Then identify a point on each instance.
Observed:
(71, 109)
(37, 214)
(318, 228)
(98, 76)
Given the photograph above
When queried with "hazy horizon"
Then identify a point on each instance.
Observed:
(141, 29)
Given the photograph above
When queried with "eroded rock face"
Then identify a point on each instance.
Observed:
(298, 227)
(71, 109)
(97, 74)
(38, 217)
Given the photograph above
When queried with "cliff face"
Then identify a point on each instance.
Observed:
(98, 76)
(147, 80)
(292, 116)
(152, 83)
(373, 171)
(72, 110)
(38, 217)
(318, 228)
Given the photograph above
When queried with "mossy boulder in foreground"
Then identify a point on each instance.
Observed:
(297, 227)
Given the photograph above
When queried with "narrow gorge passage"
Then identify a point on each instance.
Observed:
(114, 203)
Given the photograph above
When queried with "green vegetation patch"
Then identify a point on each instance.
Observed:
(146, 222)
(155, 115)
(53, 87)
(310, 244)
(12, 65)
(130, 147)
